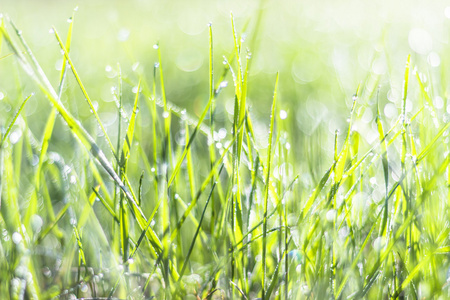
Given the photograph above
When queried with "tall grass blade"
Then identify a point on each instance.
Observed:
(266, 190)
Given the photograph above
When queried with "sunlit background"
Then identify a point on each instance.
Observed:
(323, 50)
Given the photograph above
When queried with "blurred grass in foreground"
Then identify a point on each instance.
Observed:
(295, 151)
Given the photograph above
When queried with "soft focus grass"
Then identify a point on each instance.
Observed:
(291, 151)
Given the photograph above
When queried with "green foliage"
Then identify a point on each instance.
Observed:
(229, 196)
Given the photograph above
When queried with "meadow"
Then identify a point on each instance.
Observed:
(224, 150)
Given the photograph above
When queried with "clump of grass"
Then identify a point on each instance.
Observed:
(187, 208)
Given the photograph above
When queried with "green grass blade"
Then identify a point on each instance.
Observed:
(266, 190)
(128, 141)
(11, 124)
(83, 89)
(191, 247)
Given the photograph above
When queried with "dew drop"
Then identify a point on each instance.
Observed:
(235, 188)
(283, 114)
(51, 30)
(331, 214)
(155, 46)
(165, 114)
(16, 238)
(223, 84)
(69, 20)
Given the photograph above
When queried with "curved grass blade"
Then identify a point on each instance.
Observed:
(83, 89)
(11, 124)
(191, 247)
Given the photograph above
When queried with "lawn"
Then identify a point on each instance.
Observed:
(224, 149)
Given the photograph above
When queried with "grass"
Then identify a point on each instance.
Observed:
(168, 201)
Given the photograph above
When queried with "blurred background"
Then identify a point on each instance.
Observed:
(323, 51)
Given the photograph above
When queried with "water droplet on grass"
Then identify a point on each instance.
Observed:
(36, 223)
(155, 46)
(438, 102)
(331, 214)
(69, 20)
(16, 238)
(15, 136)
(51, 30)
(283, 114)
(434, 59)
(165, 114)
(223, 84)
